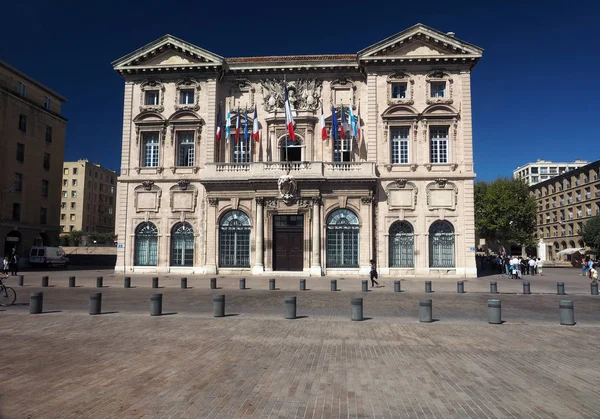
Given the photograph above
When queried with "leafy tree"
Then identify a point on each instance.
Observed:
(505, 212)
(74, 237)
(591, 232)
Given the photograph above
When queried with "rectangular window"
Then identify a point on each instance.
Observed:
(73, 194)
(74, 182)
(43, 215)
(543, 170)
(399, 90)
(72, 205)
(110, 211)
(46, 161)
(65, 182)
(22, 89)
(23, 123)
(534, 170)
(439, 144)
(74, 170)
(150, 149)
(65, 194)
(63, 217)
(186, 97)
(20, 152)
(48, 103)
(240, 151)
(16, 213)
(185, 146)
(438, 89)
(400, 141)
(72, 217)
(63, 205)
(534, 179)
(341, 149)
(151, 97)
(65, 171)
(18, 182)
(48, 134)
(45, 188)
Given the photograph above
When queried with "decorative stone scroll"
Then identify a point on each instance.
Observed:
(435, 76)
(287, 188)
(442, 194)
(183, 84)
(150, 85)
(243, 88)
(401, 77)
(303, 94)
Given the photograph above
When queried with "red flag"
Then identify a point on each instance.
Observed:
(323, 127)
(342, 132)
(255, 133)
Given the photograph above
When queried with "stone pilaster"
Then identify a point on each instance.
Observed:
(259, 265)
(211, 236)
(372, 117)
(315, 268)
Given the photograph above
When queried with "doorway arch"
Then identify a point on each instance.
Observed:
(12, 243)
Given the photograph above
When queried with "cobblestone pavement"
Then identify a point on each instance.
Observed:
(253, 363)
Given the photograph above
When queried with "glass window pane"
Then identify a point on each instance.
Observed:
(342, 239)
(146, 245)
(234, 240)
(401, 245)
(182, 245)
(441, 245)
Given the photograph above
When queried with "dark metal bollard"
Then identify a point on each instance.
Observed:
(594, 288)
(156, 305)
(99, 281)
(213, 283)
(365, 285)
(21, 280)
(184, 283)
(71, 281)
(36, 302)
(493, 287)
(427, 286)
(127, 282)
(95, 303)
(219, 305)
(426, 311)
(45, 281)
(494, 312)
(243, 283)
(357, 309)
(334, 285)
(567, 313)
(460, 287)
(290, 307)
(303, 285)
(397, 286)
(155, 282)
(526, 287)
(560, 288)
(271, 284)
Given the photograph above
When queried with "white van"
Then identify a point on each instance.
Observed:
(47, 256)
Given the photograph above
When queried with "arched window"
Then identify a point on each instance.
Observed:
(146, 245)
(402, 245)
(441, 245)
(290, 150)
(182, 245)
(342, 239)
(234, 240)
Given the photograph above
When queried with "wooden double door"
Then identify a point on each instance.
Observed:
(288, 242)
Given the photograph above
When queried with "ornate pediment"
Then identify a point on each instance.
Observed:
(420, 41)
(167, 51)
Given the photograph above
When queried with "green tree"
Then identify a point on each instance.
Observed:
(505, 212)
(591, 232)
(74, 237)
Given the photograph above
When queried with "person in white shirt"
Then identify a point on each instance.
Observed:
(532, 266)
(539, 266)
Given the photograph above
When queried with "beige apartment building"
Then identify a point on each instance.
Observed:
(543, 170)
(32, 142)
(399, 192)
(565, 203)
(88, 198)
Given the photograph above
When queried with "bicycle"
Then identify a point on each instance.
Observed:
(7, 294)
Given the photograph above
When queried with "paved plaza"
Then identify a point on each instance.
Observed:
(253, 363)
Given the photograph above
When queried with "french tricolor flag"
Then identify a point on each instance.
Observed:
(323, 127)
(219, 123)
(255, 133)
(289, 118)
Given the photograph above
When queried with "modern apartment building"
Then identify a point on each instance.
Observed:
(564, 204)
(542, 170)
(88, 198)
(395, 187)
(32, 142)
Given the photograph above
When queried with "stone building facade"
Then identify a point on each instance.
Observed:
(399, 191)
(32, 145)
(88, 198)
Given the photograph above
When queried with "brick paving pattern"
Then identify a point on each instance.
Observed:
(253, 363)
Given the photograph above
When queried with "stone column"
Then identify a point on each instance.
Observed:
(211, 237)
(315, 268)
(259, 265)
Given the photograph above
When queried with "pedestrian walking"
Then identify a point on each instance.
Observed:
(5, 265)
(584, 268)
(373, 274)
(532, 266)
(539, 266)
(14, 264)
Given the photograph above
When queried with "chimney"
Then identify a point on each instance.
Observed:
(451, 34)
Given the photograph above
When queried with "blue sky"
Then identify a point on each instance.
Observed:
(535, 92)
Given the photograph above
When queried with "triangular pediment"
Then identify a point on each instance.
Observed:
(167, 51)
(420, 41)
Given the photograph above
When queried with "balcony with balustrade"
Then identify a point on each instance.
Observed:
(261, 171)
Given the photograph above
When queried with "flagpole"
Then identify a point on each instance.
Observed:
(220, 132)
(287, 160)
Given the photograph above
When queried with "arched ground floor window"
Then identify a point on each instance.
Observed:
(182, 245)
(234, 240)
(146, 245)
(441, 245)
(342, 239)
(402, 245)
